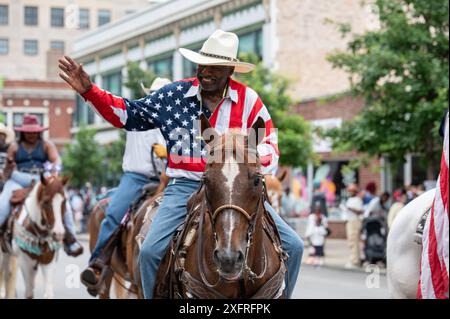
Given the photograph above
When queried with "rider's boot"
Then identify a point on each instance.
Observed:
(99, 268)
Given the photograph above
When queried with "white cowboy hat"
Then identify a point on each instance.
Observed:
(156, 85)
(220, 48)
(8, 132)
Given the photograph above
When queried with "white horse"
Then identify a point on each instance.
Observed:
(37, 234)
(403, 253)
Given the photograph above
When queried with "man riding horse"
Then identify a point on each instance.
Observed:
(174, 109)
(26, 160)
(140, 169)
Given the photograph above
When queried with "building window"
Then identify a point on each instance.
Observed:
(104, 16)
(251, 42)
(31, 16)
(113, 83)
(4, 46)
(83, 115)
(162, 67)
(4, 15)
(57, 17)
(84, 18)
(30, 47)
(57, 45)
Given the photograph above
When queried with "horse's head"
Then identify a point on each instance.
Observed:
(52, 201)
(233, 187)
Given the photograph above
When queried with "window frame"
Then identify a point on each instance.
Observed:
(99, 17)
(34, 23)
(4, 20)
(7, 46)
(53, 20)
(88, 16)
(25, 41)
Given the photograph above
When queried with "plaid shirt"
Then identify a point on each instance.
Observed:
(175, 108)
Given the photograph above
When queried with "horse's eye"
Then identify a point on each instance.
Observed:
(257, 179)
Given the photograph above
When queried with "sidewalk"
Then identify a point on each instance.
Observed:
(337, 255)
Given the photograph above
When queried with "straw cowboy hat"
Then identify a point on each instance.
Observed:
(220, 48)
(30, 124)
(8, 132)
(156, 85)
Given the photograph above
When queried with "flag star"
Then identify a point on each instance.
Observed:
(179, 87)
(142, 127)
(141, 114)
(193, 130)
(153, 93)
(185, 136)
(169, 122)
(192, 104)
(171, 135)
(193, 117)
(203, 152)
(163, 128)
(160, 96)
(178, 129)
(169, 108)
(178, 143)
(134, 130)
(154, 115)
(157, 106)
(186, 151)
(184, 123)
(169, 94)
(148, 101)
(150, 120)
(185, 109)
(194, 144)
(199, 112)
(177, 101)
(177, 115)
(134, 111)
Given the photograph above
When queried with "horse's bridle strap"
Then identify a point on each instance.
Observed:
(231, 206)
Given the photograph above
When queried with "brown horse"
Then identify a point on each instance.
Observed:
(125, 270)
(229, 247)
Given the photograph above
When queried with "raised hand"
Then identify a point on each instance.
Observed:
(74, 75)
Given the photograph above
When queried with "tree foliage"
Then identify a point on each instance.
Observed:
(83, 158)
(294, 133)
(401, 71)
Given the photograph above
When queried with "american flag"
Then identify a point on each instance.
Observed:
(433, 282)
(175, 110)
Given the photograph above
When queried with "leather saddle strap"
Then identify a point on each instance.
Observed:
(199, 289)
(271, 287)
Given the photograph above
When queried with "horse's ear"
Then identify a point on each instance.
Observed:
(43, 179)
(257, 133)
(282, 176)
(66, 179)
(207, 131)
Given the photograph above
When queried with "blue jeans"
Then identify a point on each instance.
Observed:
(128, 190)
(20, 180)
(172, 213)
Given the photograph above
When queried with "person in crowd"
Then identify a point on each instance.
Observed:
(353, 211)
(378, 206)
(369, 192)
(319, 199)
(400, 202)
(316, 233)
(6, 137)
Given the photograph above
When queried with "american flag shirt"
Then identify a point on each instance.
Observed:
(175, 110)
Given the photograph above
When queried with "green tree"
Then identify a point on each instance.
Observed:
(83, 158)
(401, 71)
(294, 133)
(135, 77)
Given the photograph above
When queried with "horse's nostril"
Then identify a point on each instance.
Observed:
(240, 258)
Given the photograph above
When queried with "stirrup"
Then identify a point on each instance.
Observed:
(94, 289)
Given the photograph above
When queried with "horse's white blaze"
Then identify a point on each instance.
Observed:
(32, 207)
(230, 171)
(58, 227)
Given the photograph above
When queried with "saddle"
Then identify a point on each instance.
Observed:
(17, 200)
(18, 197)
